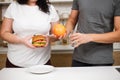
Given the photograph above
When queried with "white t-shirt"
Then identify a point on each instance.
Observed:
(29, 20)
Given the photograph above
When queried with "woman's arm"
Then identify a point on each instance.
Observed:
(7, 34)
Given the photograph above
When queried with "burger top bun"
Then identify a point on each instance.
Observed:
(38, 37)
(39, 40)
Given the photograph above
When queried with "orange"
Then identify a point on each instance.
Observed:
(59, 30)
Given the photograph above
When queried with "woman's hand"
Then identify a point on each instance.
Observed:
(47, 42)
(53, 38)
(27, 42)
(79, 38)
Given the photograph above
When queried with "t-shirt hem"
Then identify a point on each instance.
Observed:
(74, 9)
(7, 17)
(88, 62)
(117, 15)
(23, 65)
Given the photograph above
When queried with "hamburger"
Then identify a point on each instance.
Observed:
(39, 41)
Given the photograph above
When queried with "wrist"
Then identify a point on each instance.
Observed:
(91, 37)
(20, 40)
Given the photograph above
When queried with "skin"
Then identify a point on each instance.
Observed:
(80, 38)
(7, 35)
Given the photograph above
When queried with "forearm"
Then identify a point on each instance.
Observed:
(110, 37)
(70, 25)
(6, 32)
(72, 20)
(11, 38)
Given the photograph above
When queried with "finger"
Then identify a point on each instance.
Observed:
(29, 37)
(60, 37)
(77, 44)
(75, 38)
(47, 38)
(65, 35)
(53, 36)
(76, 34)
(31, 46)
(75, 41)
(47, 42)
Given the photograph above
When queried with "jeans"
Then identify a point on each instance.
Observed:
(81, 64)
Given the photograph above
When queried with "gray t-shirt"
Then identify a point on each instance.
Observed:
(95, 16)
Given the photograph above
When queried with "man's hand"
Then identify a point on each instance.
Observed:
(79, 38)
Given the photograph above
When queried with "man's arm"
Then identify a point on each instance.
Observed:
(72, 20)
(111, 36)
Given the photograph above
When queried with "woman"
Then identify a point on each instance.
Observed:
(22, 20)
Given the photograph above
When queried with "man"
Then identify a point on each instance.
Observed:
(98, 26)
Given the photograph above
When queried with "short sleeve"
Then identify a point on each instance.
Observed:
(9, 11)
(53, 14)
(75, 5)
(117, 8)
